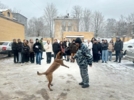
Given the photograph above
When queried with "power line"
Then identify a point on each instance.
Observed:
(35, 5)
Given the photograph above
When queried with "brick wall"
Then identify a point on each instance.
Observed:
(10, 30)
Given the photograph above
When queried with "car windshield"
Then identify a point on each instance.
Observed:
(5, 43)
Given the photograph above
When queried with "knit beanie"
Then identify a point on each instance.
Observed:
(78, 40)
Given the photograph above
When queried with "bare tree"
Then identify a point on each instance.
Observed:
(77, 13)
(87, 19)
(111, 25)
(36, 27)
(121, 26)
(130, 24)
(50, 13)
(2, 6)
(98, 20)
(15, 10)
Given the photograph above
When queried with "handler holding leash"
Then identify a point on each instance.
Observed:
(83, 58)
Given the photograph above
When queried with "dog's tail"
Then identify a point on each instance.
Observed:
(38, 73)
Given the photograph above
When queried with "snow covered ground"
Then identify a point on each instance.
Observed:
(111, 81)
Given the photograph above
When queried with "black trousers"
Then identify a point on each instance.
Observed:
(16, 57)
(31, 56)
(55, 53)
(25, 57)
(95, 57)
(118, 56)
(48, 55)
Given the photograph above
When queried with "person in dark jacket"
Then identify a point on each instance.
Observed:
(37, 49)
(104, 51)
(25, 52)
(99, 50)
(20, 45)
(95, 51)
(73, 49)
(56, 48)
(15, 50)
(118, 47)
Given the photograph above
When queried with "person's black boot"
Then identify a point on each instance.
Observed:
(85, 86)
(81, 83)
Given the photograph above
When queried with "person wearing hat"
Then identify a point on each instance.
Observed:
(37, 49)
(83, 58)
(118, 47)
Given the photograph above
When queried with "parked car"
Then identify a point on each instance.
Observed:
(130, 53)
(128, 45)
(6, 48)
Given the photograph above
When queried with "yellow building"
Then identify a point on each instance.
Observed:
(9, 28)
(68, 28)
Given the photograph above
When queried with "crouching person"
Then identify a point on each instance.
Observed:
(83, 58)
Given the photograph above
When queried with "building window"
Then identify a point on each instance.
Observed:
(63, 28)
(69, 28)
(63, 23)
(8, 14)
(69, 24)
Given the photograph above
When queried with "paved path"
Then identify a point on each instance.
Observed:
(110, 81)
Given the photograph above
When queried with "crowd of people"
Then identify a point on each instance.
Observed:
(27, 51)
(83, 52)
(103, 50)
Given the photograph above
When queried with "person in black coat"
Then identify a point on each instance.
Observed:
(95, 50)
(37, 48)
(118, 47)
(25, 52)
(20, 45)
(56, 47)
(15, 50)
(99, 49)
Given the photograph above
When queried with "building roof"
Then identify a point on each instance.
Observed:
(10, 19)
(64, 18)
(19, 14)
(1, 10)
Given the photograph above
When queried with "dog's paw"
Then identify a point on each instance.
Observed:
(51, 90)
(38, 73)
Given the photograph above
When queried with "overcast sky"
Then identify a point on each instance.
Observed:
(109, 8)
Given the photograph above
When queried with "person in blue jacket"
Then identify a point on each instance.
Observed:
(83, 59)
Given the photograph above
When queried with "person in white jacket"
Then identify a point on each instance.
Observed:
(48, 48)
(90, 46)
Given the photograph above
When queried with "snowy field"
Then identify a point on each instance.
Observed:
(111, 81)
